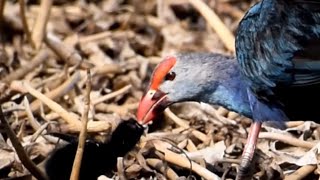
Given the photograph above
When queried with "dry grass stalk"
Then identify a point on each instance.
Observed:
(216, 23)
(25, 23)
(39, 29)
(287, 139)
(56, 93)
(74, 125)
(160, 166)
(23, 70)
(26, 161)
(94, 37)
(176, 119)
(182, 161)
(66, 53)
(2, 5)
(301, 173)
(120, 168)
(33, 122)
(72, 120)
(108, 69)
(83, 133)
(112, 95)
(199, 135)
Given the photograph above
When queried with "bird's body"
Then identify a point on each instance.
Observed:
(274, 77)
(278, 50)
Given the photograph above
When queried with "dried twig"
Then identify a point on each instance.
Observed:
(34, 124)
(199, 135)
(41, 22)
(83, 132)
(40, 130)
(112, 95)
(23, 70)
(25, 23)
(287, 139)
(74, 124)
(69, 118)
(120, 168)
(191, 147)
(94, 37)
(56, 93)
(215, 22)
(114, 108)
(34, 170)
(6, 95)
(291, 124)
(109, 69)
(2, 4)
(66, 53)
(176, 119)
(301, 173)
(182, 161)
(232, 10)
(160, 166)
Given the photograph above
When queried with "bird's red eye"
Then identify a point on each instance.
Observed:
(170, 76)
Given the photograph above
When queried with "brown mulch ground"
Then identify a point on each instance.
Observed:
(45, 50)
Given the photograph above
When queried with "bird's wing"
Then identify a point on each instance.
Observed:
(278, 43)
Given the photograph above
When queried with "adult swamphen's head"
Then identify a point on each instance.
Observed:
(201, 77)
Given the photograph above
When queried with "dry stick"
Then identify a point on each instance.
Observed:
(66, 53)
(119, 109)
(109, 69)
(176, 119)
(160, 166)
(23, 70)
(6, 95)
(34, 170)
(120, 168)
(221, 111)
(182, 161)
(291, 124)
(287, 139)
(94, 37)
(40, 130)
(74, 124)
(2, 4)
(228, 160)
(83, 133)
(25, 23)
(232, 10)
(301, 172)
(215, 22)
(199, 135)
(70, 119)
(191, 147)
(34, 124)
(183, 144)
(160, 9)
(56, 93)
(112, 95)
(41, 22)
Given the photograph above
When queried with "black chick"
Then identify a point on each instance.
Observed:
(98, 158)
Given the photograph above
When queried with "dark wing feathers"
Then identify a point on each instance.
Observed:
(278, 43)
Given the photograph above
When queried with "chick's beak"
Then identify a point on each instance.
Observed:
(151, 104)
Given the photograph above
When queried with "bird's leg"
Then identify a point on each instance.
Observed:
(249, 149)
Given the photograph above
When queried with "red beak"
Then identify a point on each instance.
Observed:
(151, 104)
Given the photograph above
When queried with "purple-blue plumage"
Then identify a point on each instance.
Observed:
(278, 50)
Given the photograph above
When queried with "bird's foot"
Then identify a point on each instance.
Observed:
(249, 151)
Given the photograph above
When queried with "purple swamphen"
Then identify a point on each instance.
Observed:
(274, 77)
